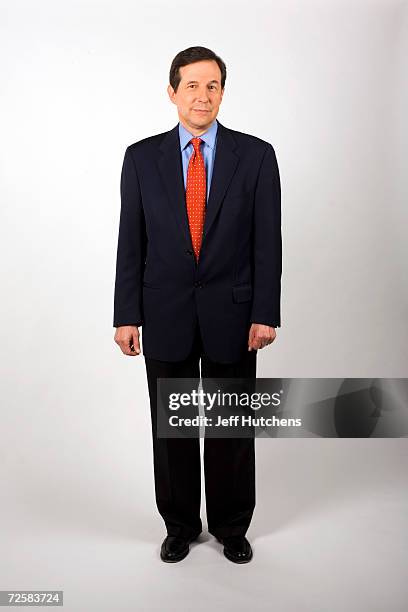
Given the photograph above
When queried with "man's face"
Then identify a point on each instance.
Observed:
(198, 95)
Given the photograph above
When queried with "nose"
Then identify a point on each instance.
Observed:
(202, 95)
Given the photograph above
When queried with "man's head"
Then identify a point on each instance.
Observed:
(197, 80)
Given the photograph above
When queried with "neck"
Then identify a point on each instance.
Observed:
(193, 130)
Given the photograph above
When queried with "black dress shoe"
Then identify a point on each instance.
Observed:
(237, 549)
(175, 548)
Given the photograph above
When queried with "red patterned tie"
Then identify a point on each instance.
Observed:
(196, 195)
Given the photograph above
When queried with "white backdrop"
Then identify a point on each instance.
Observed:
(325, 83)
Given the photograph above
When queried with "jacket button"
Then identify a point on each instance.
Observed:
(190, 252)
(198, 285)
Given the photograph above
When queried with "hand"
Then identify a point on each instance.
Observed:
(260, 336)
(127, 337)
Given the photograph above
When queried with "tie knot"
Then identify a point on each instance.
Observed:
(196, 143)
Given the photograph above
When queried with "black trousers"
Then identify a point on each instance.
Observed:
(229, 463)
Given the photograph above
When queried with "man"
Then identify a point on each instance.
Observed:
(199, 269)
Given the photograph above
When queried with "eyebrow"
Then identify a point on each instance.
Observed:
(213, 81)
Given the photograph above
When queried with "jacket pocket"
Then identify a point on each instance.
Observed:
(149, 286)
(242, 293)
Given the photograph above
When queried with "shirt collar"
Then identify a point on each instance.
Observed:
(208, 137)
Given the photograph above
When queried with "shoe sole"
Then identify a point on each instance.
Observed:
(238, 561)
(178, 558)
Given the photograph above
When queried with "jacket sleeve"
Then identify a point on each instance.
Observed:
(128, 303)
(267, 243)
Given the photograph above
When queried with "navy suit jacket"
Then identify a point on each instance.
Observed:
(237, 280)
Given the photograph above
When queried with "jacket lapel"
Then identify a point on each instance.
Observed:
(225, 163)
(171, 170)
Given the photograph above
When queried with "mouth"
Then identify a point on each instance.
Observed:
(199, 110)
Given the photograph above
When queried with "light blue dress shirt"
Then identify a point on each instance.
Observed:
(207, 148)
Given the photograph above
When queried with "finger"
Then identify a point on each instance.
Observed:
(134, 344)
(256, 343)
(250, 339)
(125, 348)
(260, 339)
(128, 346)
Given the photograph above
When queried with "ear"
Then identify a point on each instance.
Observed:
(171, 93)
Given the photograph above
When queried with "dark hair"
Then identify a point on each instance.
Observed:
(189, 56)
